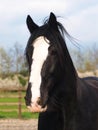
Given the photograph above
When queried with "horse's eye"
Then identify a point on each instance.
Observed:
(52, 50)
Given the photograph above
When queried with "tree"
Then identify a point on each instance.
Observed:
(86, 60)
(78, 59)
(91, 58)
(18, 57)
(5, 62)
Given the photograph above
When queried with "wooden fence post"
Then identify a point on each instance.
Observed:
(20, 103)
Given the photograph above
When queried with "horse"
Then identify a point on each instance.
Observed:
(63, 99)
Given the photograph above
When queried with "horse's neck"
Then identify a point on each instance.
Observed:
(70, 106)
(71, 73)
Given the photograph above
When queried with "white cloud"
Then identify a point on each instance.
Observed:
(13, 15)
(17, 7)
(80, 16)
(84, 24)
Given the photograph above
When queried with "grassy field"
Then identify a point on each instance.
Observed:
(9, 106)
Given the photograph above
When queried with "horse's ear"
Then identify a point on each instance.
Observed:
(30, 24)
(52, 21)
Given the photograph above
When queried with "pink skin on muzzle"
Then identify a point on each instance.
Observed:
(36, 108)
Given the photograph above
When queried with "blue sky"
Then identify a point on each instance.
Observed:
(80, 18)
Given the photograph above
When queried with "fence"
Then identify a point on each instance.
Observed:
(12, 105)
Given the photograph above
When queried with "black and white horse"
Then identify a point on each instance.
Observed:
(65, 101)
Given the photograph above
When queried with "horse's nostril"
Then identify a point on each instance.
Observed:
(39, 101)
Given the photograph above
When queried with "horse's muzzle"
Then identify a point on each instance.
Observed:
(35, 106)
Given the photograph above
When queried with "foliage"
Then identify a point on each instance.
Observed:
(7, 75)
(24, 73)
(22, 80)
(86, 60)
(13, 61)
(5, 62)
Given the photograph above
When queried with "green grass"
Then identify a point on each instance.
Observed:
(6, 107)
(10, 100)
(14, 114)
(10, 93)
(9, 106)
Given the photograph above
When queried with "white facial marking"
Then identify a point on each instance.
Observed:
(40, 54)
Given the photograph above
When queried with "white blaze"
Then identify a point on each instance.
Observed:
(40, 54)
